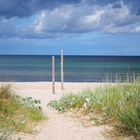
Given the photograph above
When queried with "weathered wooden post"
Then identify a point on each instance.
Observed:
(53, 74)
(62, 70)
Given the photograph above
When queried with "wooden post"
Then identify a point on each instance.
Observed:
(62, 70)
(53, 74)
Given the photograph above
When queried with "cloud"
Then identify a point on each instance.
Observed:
(68, 18)
(7, 28)
(87, 18)
(24, 8)
(18, 8)
(56, 19)
(137, 29)
(132, 4)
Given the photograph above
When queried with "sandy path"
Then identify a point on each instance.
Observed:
(58, 126)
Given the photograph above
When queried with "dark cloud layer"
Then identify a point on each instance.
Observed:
(134, 5)
(54, 18)
(11, 8)
(23, 8)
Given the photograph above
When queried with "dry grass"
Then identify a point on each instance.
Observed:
(17, 113)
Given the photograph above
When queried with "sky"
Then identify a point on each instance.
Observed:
(79, 27)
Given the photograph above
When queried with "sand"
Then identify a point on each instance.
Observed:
(58, 126)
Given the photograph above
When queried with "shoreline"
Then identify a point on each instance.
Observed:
(48, 85)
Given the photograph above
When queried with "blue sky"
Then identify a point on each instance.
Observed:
(80, 27)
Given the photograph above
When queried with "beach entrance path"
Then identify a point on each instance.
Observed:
(58, 126)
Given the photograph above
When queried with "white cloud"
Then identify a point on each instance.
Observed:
(137, 29)
(119, 20)
(85, 18)
(68, 18)
(40, 23)
(53, 21)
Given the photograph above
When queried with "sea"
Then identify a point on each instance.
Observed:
(29, 68)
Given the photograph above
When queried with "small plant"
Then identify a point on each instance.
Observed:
(29, 102)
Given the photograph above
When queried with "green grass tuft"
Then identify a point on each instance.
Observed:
(17, 113)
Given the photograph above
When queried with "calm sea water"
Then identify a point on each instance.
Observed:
(76, 68)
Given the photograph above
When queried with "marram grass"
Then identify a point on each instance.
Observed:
(17, 113)
(119, 102)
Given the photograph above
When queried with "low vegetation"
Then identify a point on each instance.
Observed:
(118, 104)
(17, 113)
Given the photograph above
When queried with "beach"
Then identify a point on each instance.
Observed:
(58, 126)
(61, 126)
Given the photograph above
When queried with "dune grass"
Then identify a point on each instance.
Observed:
(119, 103)
(17, 113)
